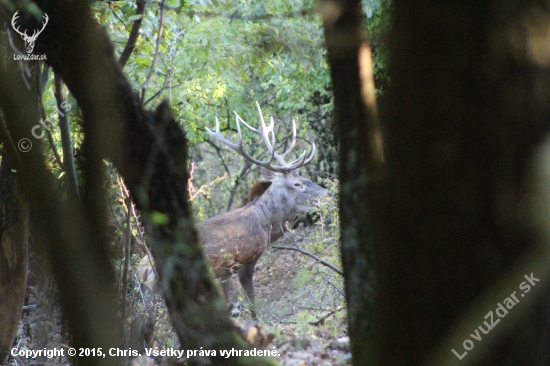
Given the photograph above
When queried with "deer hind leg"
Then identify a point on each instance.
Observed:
(245, 277)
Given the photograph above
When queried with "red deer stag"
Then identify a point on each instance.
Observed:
(236, 239)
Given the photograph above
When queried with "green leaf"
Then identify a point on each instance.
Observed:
(142, 61)
(159, 218)
(135, 17)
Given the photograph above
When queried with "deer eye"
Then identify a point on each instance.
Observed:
(297, 184)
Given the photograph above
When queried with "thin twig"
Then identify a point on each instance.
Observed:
(192, 191)
(218, 152)
(127, 246)
(309, 254)
(164, 87)
(323, 275)
(141, 235)
(320, 320)
(117, 16)
(157, 47)
(279, 320)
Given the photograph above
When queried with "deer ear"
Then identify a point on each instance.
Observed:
(268, 174)
(296, 172)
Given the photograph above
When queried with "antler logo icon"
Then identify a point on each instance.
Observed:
(29, 40)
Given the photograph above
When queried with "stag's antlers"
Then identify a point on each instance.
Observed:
(264, 132)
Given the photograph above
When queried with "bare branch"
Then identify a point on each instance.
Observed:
(320, 320)
(309, 254)
(244, 172)
(66, 141)
(50, 140)
(134, 33)
(157, 47)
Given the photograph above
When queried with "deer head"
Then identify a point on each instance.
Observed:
(29, 40)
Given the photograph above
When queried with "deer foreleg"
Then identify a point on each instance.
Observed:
(246, 278)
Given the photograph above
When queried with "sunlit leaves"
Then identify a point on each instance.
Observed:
(226, 52)
(219, 56)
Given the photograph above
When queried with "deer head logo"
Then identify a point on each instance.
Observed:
(29, 40)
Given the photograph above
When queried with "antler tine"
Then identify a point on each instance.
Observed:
(36, 32)
(267, 129)
(284, 168)
(281, 158)
(239, 146)
(220, 137)
(45, 22)
(264, 133)
(311, 156)
(301, 161)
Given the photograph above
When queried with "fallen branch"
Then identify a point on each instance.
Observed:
(324, 317)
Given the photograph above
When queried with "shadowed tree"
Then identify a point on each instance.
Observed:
(469, 103)
(447, 228)
(361, 160)
(13, 255)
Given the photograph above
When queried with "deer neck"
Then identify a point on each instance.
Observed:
(273, 210)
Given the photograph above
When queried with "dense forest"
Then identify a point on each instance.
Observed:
(286, 182)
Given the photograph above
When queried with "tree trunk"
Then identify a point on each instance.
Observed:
(361, 159)
(470, 101)
(14, 225)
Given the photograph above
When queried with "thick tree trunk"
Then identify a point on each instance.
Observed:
(470, 101)
(361, 159)
(14, 225)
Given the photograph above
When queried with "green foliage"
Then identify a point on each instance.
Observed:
(221, 56)
(327, 233)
